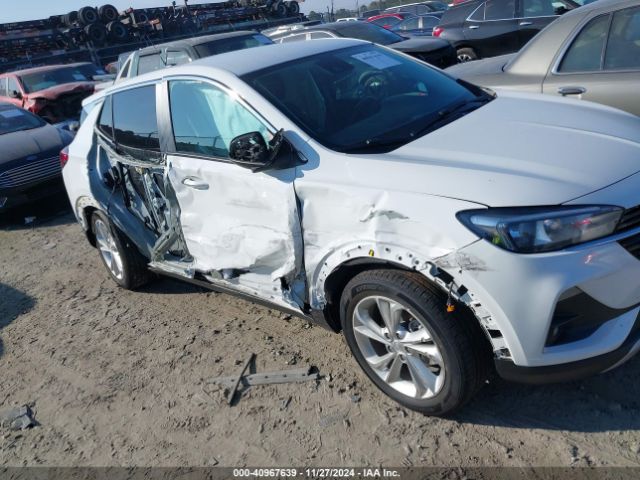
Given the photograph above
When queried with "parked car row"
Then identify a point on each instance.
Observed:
(592, 53)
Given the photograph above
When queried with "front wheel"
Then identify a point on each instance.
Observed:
(125, 264)
(396, 325)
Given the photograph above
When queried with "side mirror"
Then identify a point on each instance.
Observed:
(74, 127)
(250, 151)
(15, 94)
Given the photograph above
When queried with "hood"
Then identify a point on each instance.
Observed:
(518, 150)
(486, 66)
(18, 145)
(54, 92)
(420, 44)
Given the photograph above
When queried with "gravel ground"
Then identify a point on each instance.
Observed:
(116, 378)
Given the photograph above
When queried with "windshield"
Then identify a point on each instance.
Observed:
(369, 32)
(34, 82)
(232, 44)
(89, 70)
(364, 98)
(14, 119)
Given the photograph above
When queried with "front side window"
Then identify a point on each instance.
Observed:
(585, 53)
(150, 63)
(539, 8)
(124, 72)
(623, 46)
(135, 123)
(499, 9)
(205, 119)
(360, 97)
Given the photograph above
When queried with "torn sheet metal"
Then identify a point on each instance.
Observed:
(243, 223)
(342, 223)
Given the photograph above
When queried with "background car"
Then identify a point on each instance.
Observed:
(53, 92)
(419, 8)
(388, 20)
(183, 51)
(592, 53)
(431, 50)
(421, 25)
(30, 160)
(479, 29)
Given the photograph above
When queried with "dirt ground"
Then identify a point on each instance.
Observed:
(115, 378)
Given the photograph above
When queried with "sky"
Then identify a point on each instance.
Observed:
(36, 9)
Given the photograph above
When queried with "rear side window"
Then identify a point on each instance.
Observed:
(499, 9)
(149, 63)
(135, 123)
(13, 86)
(585, 53)
(623, 46)
(177, 57)
(105, 122)
(3, 87)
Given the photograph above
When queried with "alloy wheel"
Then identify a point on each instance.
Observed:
(108, 249)
(398, 347)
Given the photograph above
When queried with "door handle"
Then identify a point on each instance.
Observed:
(196, 183)
(524, 24)
(571, 90)
(474, 27)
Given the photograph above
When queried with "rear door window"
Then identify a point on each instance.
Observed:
(177, 57)
(135, 122)
(499, 9)
(585, 53)
(623, 46)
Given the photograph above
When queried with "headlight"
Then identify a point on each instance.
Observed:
(541, 229)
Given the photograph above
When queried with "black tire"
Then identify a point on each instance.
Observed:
(72, 18)
(141, 17)
(293, 8)
(118, 31)
(462, 345)
(134, 265)
(466, 54)
(96, 33)
(108, 13)
(55, 21)
(280, 9)
(88, 15)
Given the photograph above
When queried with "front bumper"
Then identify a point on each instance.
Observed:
(521, 295)
(15, 197)
(573, 370)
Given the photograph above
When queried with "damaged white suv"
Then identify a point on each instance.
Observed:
(442, 228)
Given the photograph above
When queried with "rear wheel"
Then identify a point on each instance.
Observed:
(466, 55)
(125, 264)
(397, 328)
(108, 13)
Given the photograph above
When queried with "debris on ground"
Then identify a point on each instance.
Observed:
(295, 375)
(17, 418)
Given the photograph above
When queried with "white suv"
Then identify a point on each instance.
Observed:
(439, 226)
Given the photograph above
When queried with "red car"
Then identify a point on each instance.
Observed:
(55, 93)
(388, 20)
